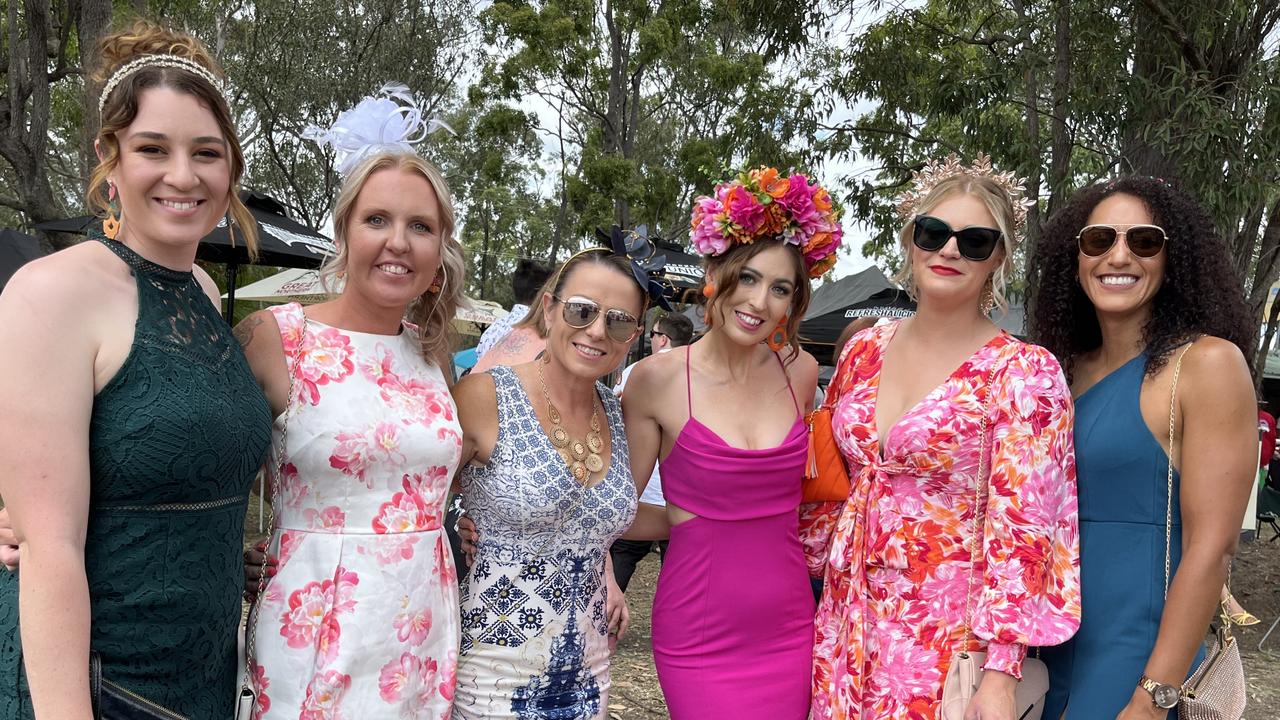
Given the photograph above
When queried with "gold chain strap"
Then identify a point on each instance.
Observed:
(976, 536)
(1168, 501)
(246, 682)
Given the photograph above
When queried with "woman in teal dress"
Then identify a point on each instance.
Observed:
(1134, 287)
(132, 427)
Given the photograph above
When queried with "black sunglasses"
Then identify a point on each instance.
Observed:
(620, 325)
(1145, 241)
(975, 243)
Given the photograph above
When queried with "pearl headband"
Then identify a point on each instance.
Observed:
(171, 61)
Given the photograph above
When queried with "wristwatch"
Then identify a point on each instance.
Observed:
(1165, 697)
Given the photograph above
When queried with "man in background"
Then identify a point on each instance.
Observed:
(671, 331)
(528, 279)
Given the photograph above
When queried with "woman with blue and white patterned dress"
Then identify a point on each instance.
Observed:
(549, 488)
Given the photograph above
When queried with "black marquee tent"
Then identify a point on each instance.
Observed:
(828, 307)
(282, 242)
(16, 250)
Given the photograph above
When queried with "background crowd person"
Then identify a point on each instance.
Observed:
(524, 342)
(670, 331)
(540, 612)
(365, 450)
(1266, 437)
(1135, 289)
(132, 427)
(733, 612)
(529, 277)
(960, 529)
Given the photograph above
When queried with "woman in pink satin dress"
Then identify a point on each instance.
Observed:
(733, 614)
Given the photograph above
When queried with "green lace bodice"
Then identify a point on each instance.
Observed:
(176, 438)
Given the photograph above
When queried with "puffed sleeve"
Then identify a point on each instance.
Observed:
(1031, 578)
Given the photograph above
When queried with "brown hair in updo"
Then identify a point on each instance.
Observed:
(121, 107)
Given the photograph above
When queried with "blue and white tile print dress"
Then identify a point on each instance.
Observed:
(534, 631)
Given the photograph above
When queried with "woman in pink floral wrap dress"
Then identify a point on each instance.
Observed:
(360, 619)
(897, 569)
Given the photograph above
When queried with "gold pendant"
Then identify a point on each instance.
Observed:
(594, 443)
(594, 463)
(559, 437)
(579, 472)
(578, 450)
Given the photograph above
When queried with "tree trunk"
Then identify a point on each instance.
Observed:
(1031, 94)
(487, 209)
(24, 112)
(1266, 272)
(95, 17)
(557, 235)
(1153, 55)
(1060, 143)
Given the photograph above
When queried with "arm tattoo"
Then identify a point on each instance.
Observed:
(515, 343)
(244, 331)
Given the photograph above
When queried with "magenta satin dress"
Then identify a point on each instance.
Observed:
(733, 613)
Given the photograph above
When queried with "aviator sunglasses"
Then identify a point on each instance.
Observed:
(975, 243)
(1145, 241)
(579, 313)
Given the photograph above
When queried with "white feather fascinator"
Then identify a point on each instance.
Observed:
(390, 120)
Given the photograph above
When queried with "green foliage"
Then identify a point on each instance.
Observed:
(953, 76)
(655, 99)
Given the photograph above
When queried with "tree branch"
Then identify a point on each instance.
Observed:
(895, 132)
(1178, 34)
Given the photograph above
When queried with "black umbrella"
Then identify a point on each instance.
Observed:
(282, 242)
(16, 250)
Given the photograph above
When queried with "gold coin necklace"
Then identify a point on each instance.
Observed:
(582, 456)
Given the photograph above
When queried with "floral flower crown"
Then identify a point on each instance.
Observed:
(761, 204)
(935, 171)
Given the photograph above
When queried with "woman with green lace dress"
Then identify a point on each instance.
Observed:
(132, 427)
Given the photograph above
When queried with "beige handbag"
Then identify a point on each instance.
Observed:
(1216, 689)
(965, 674)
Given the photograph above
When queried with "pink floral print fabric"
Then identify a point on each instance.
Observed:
(897, 566)
(361, 619)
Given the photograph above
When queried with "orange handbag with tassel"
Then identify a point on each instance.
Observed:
(826, 479)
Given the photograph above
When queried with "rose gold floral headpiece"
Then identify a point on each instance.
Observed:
(935, 171)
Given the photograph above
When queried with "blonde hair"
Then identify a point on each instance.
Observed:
(431, 312)
(121, 108)
(1000, 206)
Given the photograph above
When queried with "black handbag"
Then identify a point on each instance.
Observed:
(112, 702)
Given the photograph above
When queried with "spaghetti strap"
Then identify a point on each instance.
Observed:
(688, 386)
(791, 390)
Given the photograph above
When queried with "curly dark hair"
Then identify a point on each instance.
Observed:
(1201, 293)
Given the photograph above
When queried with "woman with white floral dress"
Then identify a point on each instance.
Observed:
(360, 618)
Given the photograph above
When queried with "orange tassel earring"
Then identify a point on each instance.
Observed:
(709, 290)
(111, 224)
(778, 338)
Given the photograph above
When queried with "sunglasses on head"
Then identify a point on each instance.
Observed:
(579, 313)
(1145, 241)
(975, 243)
